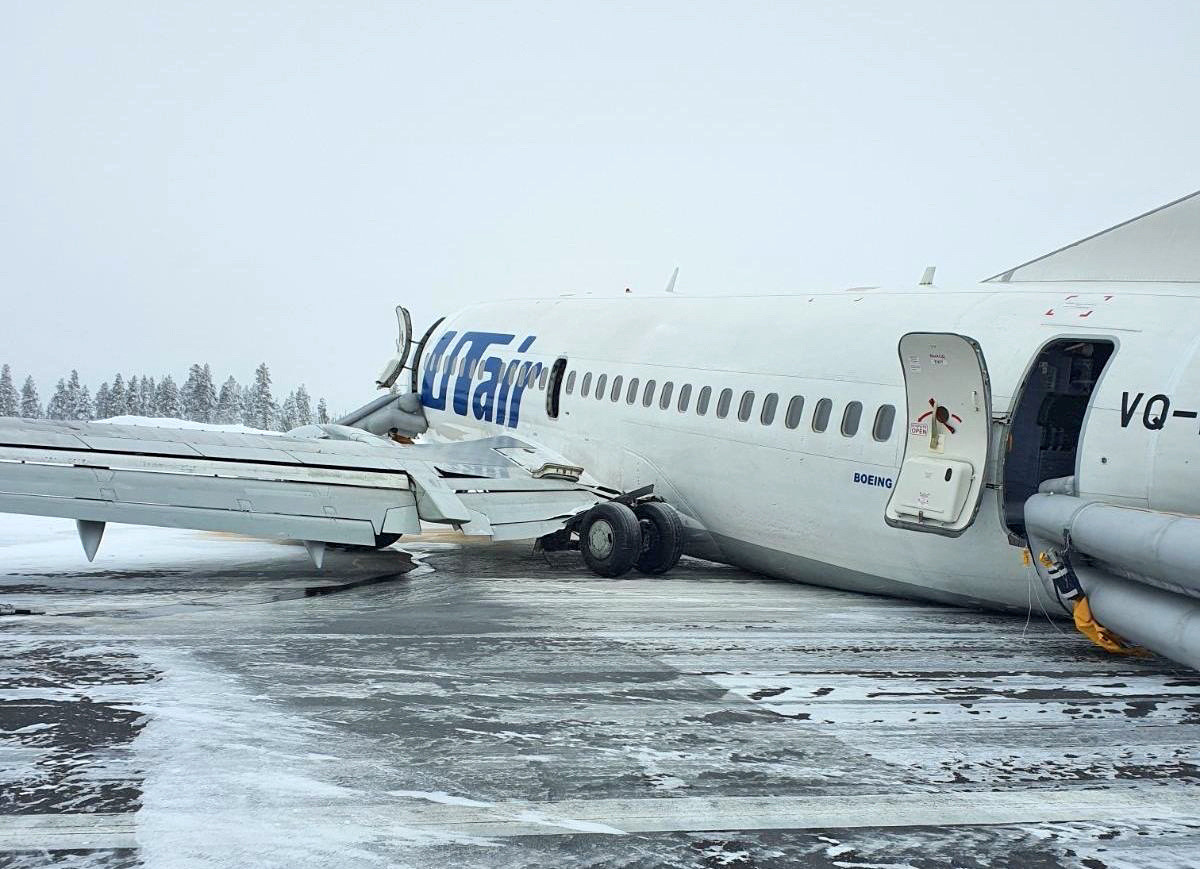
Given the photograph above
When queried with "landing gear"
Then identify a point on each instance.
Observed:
(662, 537)
(615, 537)
(610, 538)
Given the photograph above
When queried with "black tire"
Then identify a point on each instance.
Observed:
(610, 539)
(662, 537)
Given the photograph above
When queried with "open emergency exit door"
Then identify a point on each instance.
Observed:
(949, 403)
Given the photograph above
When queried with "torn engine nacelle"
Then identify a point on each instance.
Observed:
(389, 414)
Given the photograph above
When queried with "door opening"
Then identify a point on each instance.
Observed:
(554, 387)
(1047, 422)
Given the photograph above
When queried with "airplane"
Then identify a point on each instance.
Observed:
(1031, 440)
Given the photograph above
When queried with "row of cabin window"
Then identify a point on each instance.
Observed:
(881, 430)
(885, 416)
(530, 375)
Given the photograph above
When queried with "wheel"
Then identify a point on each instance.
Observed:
(662, 537)
(610, 539)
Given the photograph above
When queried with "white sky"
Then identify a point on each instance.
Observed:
(237, 182)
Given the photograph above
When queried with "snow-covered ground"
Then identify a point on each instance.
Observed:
(188, 700)
(169, 422)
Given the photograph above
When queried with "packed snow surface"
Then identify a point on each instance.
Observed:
(196, 699)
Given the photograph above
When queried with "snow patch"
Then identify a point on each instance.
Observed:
(532, 817)
(168, 422)
(441, 797)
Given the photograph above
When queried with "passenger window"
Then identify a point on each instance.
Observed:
(601, 382)
(723, 402)
(570, 383)
(768, 409)
(631, 394)
(885, 417)
(702, 400)
(685, 396)
(795, 411)
(462, 367)
(542, 381)
(746, 406)
(821, 414)
(851, 417)
(512, 373)
(664, 399)
(648, 394)
(616, 388)
(586, 388)
(472, 369)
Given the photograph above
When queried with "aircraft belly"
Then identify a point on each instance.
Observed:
(801, 516)
(801, 568)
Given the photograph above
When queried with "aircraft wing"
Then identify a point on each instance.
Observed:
(345, 486)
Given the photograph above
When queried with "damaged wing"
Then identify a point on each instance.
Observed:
(341, 485)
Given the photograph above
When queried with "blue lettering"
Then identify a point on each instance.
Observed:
(497, 396)
(502, 397)
(428, 398)
(873, 480)
(475, 343)
(483, 402)
(528, 370)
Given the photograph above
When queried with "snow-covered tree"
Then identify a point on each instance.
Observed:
(73, 395)
(147, 397)
(31, 402)
(118, 398)
(198, 398)
(57, 407)
(103, 401)
(303, 406)
(322, 412)
(85, 410)
(207, 394)
(229, 403)
(167, 398)
(262, 411)
(248, 405)
(289, 417)
(187, 401)
(133, 397)
(8, 393)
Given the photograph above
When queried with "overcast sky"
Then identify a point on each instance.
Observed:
(237, 182)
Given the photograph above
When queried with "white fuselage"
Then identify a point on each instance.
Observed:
(805, 504)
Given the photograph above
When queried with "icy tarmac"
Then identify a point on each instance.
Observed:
(190, 700)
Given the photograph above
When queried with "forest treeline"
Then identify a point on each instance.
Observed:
(198, 399)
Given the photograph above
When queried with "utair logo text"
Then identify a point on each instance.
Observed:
(483, 385)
